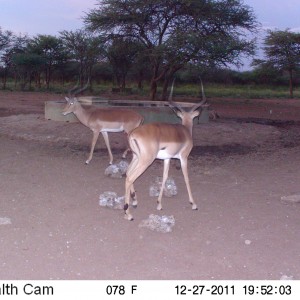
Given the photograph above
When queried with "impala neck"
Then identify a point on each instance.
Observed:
(81, 113)
(189, 125)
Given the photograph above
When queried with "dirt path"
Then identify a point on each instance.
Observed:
(54, 228)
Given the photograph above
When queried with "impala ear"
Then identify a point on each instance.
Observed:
(195, 113)
(179, 114)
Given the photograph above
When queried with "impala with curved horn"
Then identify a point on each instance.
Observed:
(102, 120)
(163, 141)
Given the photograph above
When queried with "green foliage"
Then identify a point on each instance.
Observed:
(26, 66)
(84, 48)
(248, 91)
(148, 42)
(282, 51)
(51, 50)
(122, 55)
(5, 38)
(174, 33)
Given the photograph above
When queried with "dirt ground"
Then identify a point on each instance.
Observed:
(242, 164)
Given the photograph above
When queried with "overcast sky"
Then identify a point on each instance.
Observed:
(34, 17)
(43, 16)
(51, 16)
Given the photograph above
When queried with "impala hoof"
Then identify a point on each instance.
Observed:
(194, 207)
(128, 217)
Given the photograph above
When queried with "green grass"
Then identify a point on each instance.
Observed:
(189, 90)
(236, 91)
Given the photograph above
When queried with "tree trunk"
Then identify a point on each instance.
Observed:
(154, 79)
(153, 89)
(291, 83)
(140, 80)
(164, 95)
(5, 79)
(47, 78)
(167, 80)
(123, 83)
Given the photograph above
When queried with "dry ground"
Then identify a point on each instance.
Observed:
(239, 170)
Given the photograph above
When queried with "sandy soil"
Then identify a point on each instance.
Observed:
(52, 226)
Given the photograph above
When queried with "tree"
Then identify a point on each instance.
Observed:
(122, 55)
(5, 38)
(282, 50)
(177, 32)
(83, 48)
(6, 42)
(50, 49)
(10, 45)
(264, 72)
(27, 65)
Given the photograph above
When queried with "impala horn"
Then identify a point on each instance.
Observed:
(82, 89)
(72, 90)
(202, 103)
(172, 104)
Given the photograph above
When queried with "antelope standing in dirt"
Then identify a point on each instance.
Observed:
(102, 120)
(162, 141)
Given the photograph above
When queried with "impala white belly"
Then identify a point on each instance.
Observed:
(164, 154)
(112, 129)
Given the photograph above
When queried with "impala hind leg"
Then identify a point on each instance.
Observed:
(125, 152)
(135, 169)
(133, 196)
(127, 145)
(129, 189)
(94, 141)
(128, 193)
(132, 190)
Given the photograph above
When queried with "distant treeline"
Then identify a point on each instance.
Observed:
(145, 44)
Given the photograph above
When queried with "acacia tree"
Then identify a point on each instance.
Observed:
(265, 72)
(12, 46)
(282, 50)
(6, 40)
(83, 48)
(51, 51)
(27, 66)
(175, 32)
(122, 54)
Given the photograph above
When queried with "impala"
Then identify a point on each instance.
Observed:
(102, 120)
(163, 141)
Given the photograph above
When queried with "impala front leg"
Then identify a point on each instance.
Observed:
(165, 177)
(94, 140)
(106, 140)
(187, 183)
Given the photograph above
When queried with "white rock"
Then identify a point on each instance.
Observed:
(291, 199)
